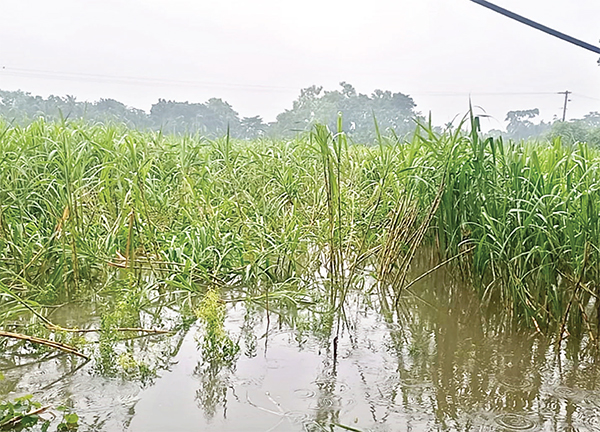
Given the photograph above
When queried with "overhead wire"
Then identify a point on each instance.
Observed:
(133, 80)
(149, 81)
(481, 93)
(538, 26)
(585, 96)
(136, 80)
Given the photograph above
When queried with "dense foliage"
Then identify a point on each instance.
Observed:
(76, 201)
(522, 125)
(394, 113)
(215, 118)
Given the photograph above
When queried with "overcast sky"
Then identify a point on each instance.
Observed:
(258, 54)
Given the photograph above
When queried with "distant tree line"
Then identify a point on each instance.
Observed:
(21, 108)
(522, 126)
(392, 112)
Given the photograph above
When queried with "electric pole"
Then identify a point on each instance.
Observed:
(566, 93)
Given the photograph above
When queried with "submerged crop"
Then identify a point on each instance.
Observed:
(115, 243)
(128, 220)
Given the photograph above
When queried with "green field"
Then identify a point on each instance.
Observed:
(119, 233)
(92, 211)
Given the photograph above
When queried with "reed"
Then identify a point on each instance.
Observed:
(79, 202)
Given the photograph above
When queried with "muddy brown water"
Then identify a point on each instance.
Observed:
(442, 365)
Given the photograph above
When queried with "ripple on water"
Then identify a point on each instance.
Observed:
(590, 421)
(247, 382)
(297, 416)
(569, 393)
(593, 399)
(342, 388)
(327, 402)
(305, 393)
(516, 422)
(415, 383)
(514, 383)
(350, 403)
(107, 400)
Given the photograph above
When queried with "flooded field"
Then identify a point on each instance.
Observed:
(448, 282)
(440, 364)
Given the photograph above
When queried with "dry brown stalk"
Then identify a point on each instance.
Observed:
(440, 265)
(416, 242)
(130, 258)
(398, 233)
(13, 421)
(50, 343)
(118, 329)
(573, 297)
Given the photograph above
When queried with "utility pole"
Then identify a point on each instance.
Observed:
(566, 93)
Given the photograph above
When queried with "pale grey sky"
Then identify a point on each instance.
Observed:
(258, 54)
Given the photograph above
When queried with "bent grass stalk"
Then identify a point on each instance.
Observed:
(75, 196)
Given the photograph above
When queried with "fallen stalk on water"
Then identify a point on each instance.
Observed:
(46, 342)
(13, 421)
(118, 329)
(437, 267)
(348, 428)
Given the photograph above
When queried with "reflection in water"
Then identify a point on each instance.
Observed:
(440, 364)
(213, 388)
(516, 422)
(328, 404)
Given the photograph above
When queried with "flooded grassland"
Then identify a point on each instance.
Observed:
(442, 283)
(441, 363)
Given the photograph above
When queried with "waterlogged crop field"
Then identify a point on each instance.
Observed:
(441, 282)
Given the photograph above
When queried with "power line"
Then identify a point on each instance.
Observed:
(461, 94)
(148, 81)
(131, 80)
(585, 96)
(136, 80)
(538, 26)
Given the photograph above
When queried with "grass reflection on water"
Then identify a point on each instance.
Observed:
(441, 362)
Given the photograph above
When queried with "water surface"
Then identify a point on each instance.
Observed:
(441, 364)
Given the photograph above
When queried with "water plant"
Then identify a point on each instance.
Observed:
(217, 345)
(25, 413)
(128, 220)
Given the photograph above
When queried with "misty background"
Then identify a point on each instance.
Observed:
(362, 116)
(268, 67)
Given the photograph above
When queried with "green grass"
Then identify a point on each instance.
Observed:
(83, 205)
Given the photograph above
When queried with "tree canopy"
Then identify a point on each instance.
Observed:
(393, 112)
(215, 117)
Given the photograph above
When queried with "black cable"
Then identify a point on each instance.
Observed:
(538, 26)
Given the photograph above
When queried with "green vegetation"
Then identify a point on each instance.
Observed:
(24, 413)
(521, 126)
(585, 130)
(215, 117)
(131, 221)
(216, 344)
(395, 113)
